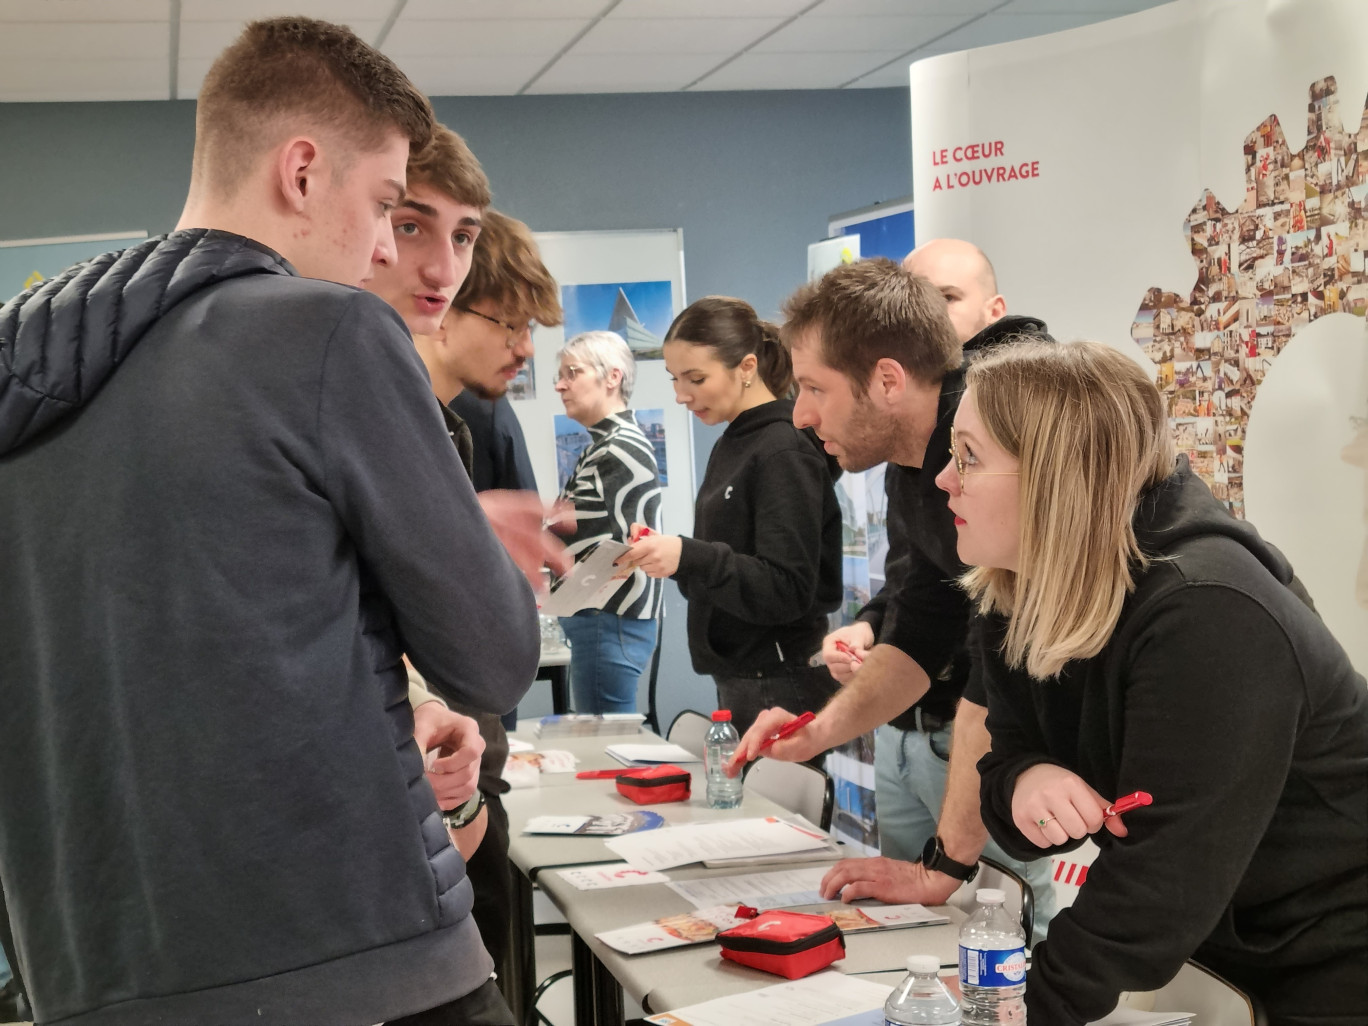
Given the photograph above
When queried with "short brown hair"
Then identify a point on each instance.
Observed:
(283, 74)
(507, 270)
(446, 164)
(871, 310)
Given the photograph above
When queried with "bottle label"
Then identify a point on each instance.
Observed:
(996, 968)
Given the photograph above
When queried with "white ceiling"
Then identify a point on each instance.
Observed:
(161, 49)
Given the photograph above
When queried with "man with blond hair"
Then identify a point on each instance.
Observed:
(229, 507)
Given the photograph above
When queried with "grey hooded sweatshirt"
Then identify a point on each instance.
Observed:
(228, 505)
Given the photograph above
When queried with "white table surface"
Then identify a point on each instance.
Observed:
(677, 977)
(561, 794)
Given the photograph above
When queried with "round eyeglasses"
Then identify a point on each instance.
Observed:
(960, 465)
(513, 333)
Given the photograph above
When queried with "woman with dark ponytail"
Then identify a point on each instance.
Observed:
(763, 567)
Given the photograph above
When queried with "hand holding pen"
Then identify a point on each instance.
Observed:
(657, 555)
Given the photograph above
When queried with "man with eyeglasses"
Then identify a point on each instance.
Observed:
(879, 353)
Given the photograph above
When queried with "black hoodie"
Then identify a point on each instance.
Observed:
(1222, 694)
(228, 504)
(764, 565)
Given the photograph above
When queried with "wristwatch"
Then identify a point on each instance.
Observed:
(464, 815)
(933, 857)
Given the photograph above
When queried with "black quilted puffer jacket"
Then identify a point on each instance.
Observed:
(228, 504)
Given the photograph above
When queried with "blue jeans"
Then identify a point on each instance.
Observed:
(909, 785)
(608, 654)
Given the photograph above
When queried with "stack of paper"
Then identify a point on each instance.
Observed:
(695, 842)
(652, 754)
(823, 998)
(576, 725)
(1133, 1017)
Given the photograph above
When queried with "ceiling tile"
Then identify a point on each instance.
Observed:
(864, 8)
(1005, 28)
(423, 10)
(628, 73)
(1099, 9)
(207, 39)
(708, 8)
(84, 10)
(470, 76)
(894, 75)
(70, 45)
(793, 70)
(347, 12)
(491, 38)
(673, 35)
(28, 79)
(826, 35)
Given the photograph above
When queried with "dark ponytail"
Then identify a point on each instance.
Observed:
(731, 328)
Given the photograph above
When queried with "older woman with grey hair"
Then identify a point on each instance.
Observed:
(615, 483)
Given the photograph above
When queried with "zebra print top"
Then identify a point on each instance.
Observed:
(616, 482)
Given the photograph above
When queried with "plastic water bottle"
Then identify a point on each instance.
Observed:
(719, 746)
(921, 997)
(992, 950)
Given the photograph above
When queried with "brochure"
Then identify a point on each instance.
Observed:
(596, 826)
(703, 925)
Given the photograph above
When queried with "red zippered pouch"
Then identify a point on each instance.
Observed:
(788, 944)
(652, 785)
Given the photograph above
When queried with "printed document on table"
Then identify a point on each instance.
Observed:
(825, 997)
(634, 755)
(616, 874)
(681, 845)
(760, 890)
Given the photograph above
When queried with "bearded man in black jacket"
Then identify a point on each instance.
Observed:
(880, 370)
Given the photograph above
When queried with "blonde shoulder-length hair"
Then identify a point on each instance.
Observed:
(1091, 433)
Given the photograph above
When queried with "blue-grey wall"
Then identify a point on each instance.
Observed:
(750, 177)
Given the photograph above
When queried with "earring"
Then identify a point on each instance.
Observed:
(746, 383)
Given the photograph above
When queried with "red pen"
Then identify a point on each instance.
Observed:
(637, 534)
(855, 657)
(1131, 801)
(788, 729)
(599, 774)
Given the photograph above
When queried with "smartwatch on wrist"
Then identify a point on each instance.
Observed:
(933, 857)
(464, 815)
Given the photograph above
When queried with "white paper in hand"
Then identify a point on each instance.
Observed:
(588, 584)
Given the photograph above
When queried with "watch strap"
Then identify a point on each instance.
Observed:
(935, 859)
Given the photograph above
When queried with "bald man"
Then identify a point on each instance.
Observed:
(911, 661)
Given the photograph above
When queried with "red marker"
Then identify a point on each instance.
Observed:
(599, 774)
(1126, 804)
(845, 649)
(788, 729)
(637, 534)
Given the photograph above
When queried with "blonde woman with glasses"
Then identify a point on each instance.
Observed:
(614, 484)
(1135, 637)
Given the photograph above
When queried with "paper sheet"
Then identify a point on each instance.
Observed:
(762, 890)
(824, 997)
(596, 826)
(681, 845)
(632, 755)
(588, 584)
(616, 874)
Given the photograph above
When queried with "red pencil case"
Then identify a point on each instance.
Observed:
(652, 785)
(789, 944)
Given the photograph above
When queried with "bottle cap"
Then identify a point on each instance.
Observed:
(990, 896)
(924, 964)
(722, 716)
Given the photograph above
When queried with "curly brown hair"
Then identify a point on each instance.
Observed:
(507, 270)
